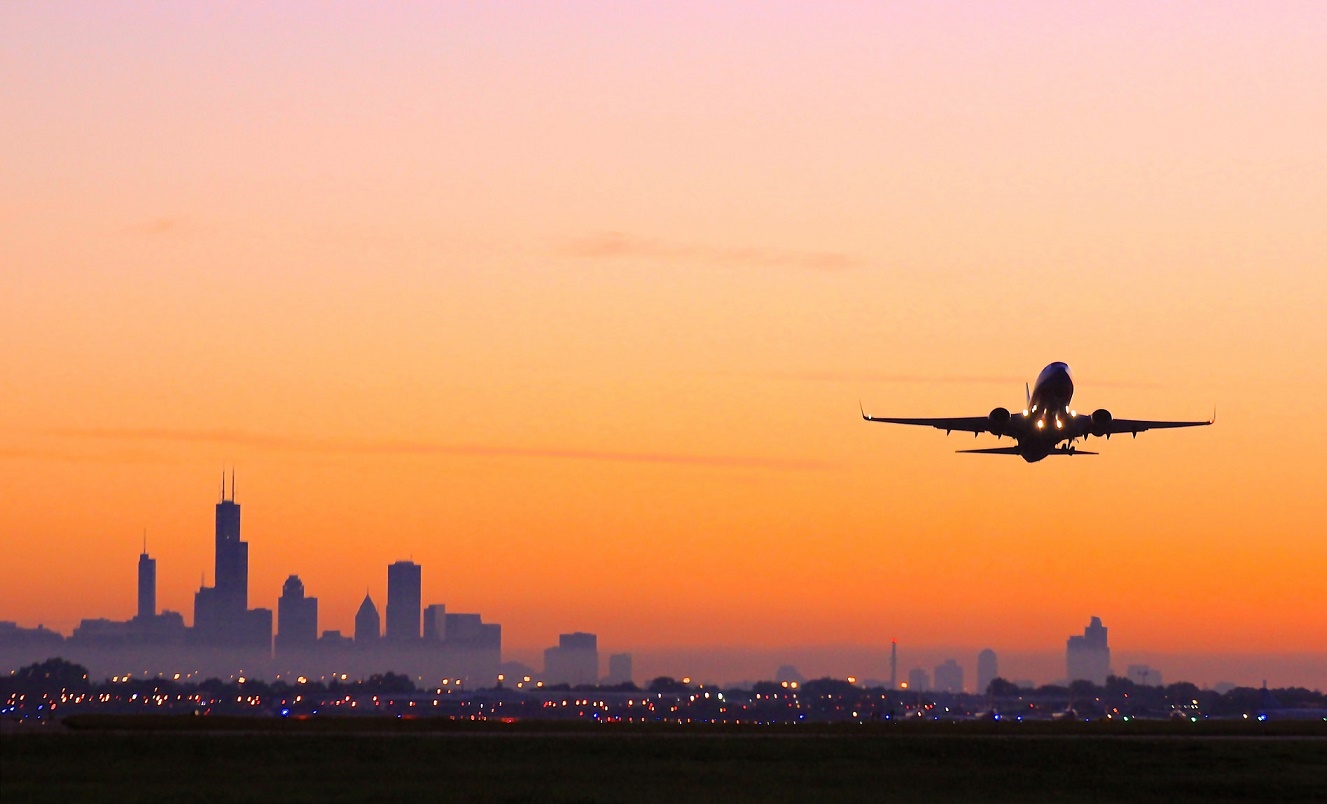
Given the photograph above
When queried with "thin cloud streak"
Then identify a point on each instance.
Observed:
(302, 444)
(619, 245)
(916, 379)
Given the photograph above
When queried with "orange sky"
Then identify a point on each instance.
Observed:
(574, 304)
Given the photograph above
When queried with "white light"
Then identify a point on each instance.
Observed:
(1040, 424)
(1025, 412)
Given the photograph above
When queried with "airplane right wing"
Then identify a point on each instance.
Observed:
(963, 424)
(1136, 426)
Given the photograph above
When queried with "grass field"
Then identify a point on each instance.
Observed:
(252, 759)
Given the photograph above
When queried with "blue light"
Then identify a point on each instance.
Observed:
(285, 713)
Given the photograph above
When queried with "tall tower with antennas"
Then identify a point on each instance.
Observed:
(232, 555)
(147, 584)
(221, 612)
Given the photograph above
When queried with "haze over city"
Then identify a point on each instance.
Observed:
(573, 306)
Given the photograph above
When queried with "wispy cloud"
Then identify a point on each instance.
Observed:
(618, 245)
(348, 446)
(916, 379)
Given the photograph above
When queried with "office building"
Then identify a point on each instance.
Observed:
(221, 612)
(435, 622)
(574, 661)
(403, 602)
(988, 669)
(949, 677)
(619, 669)
(1088, 656)
(368, 627)
(147, 585)
(297, 617)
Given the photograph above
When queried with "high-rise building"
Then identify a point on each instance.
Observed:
(232, 555)
(147, 585)
(297, 617)
(574, 661)
(221, 612)
(893, 664)
(949, 677)
(619, 669)
(403, 601)
(368, 627)
(918, 680)
(988, 669)
(435, 622)
(474, 646)
(1088, 656)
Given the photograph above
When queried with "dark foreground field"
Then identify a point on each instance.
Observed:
(172, 761)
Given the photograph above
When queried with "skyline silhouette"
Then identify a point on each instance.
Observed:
(226, 636)
(573, 307)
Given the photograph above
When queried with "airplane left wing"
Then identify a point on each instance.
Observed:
(963, 424)
(1136, 426)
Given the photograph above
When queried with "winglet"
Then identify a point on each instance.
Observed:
(863, 409)
(1213, 419)
(1027, 391)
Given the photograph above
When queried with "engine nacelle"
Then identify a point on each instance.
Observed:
(1101, 420)
(998, 421)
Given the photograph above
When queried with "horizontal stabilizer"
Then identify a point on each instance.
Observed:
(1014, 451)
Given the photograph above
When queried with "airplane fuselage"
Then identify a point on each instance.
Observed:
(1048, 420)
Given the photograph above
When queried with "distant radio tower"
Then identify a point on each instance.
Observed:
(893, 664)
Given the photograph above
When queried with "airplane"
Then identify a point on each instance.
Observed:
(1047, 426)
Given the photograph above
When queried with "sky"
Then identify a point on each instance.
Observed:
(574, 304)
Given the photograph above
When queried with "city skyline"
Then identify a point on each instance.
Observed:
(297, 632)
(574, 307)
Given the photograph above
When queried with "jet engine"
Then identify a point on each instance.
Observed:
(1101, 420)
(999, 421)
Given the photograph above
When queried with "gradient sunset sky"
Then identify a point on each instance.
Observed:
(573, 304)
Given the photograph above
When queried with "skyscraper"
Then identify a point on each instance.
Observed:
(988, 669)
(232, 555)
(893, 664)
(949, 677)
(147, 585)
(221, 612)
(403, 601)
(368, 627)
(1088, 656)
(297, 617)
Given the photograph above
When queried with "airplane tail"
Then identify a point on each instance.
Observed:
(1027, 391)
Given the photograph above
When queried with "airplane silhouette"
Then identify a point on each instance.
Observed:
(1047, 426)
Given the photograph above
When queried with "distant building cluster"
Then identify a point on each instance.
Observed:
(426, 642)
(228, 637)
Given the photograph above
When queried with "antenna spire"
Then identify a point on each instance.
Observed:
(223, 485)
(232, 484)
(144, 541)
